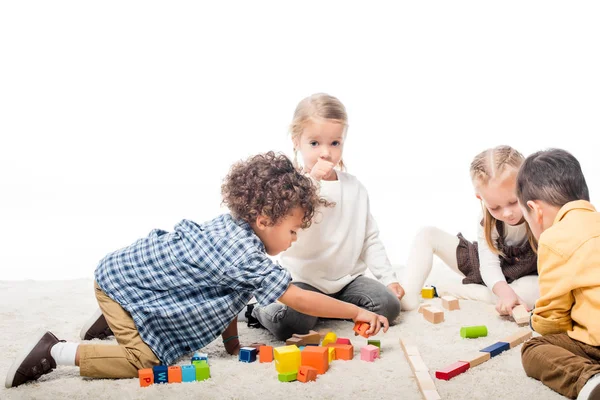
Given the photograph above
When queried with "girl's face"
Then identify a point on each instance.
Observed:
(499, 197)
(321, 139)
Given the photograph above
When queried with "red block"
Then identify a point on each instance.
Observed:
(452, 370)
(341, 340)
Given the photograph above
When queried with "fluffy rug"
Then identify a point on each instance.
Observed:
(63, 306)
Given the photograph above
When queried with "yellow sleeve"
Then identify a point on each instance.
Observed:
(552, 313)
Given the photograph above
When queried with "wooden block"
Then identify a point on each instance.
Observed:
(160, 374)
(521, 315)
(433, 315)
(420, 370)
(202, 371)
(361, 328)
(369, 353)
(306, 374)
(431, 395)
(174, 374)
(450, 303)
(316, 357)
(496, 348)
(247, 354)
(257, 346)
(517, 338)
(331, 354)
(424, 381)
(287, 359)
(342, 351)
(329, 338)
(375, 342)
(312, 337)
(294, 341)
(423, 306)
(417, 364)
(342, 340)
(287, 377)
(473, 331)
(265, 354)
(188, 373)
(428, 293)
(409, 348)
(478, 358)
(146, 376)
(452, 370)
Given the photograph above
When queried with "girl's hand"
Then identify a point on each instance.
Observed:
(376, 321)
(396, 289)
(507, 302)
(322, 169)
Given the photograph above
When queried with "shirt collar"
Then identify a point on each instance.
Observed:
(573, 205)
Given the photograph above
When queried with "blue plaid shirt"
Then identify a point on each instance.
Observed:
(185, 287)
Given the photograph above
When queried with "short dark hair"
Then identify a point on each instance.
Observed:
(268, 184)
(553, 176)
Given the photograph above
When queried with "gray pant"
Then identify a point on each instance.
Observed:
(366, 293)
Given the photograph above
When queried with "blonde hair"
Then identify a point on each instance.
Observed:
(487, 165)
(317, 106)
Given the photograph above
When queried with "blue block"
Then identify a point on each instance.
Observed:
(496, 348)
(161, 374)
(199, 356)
(248, 354)
(188, 373)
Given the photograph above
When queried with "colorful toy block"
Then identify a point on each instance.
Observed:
(450, 303)
(329, 338)
(310, 338)
(517, 338)
(287, 358)
(473, 331)
(342, 340)
(375, 342)
(478, 358)
(423, 306)
(265, 354)
(257, 346)
(433, 315)
(247, 354)
(174, 374)
(331, 354)
(316, 357)
(452, 370)
(428, 292)
(307, 374)
(361, 328)
(160, 374)
(146, 376)
(521, 315)
(287, 377)
(342, 351)
(369, 353)
(301, 347)
(199, 357)
(496, 348)
(202, 371)
(188, 373)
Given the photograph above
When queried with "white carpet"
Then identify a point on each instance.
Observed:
(62, 307)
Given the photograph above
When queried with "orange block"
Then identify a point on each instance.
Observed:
(306, 374)
(342, 351)
(265, 354)
(174, 374)
(316, 357)
(146, 377)
(361, 328)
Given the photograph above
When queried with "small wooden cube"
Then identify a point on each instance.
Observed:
(375, 342)
(316, 357)
(307, 374)
(174, 374)
(521, 315)
(188, 373)
(433, 315)
(161, 374)
(202, 371)
(450, 303)
(369, 353)
(146, 376)
(247, 354)
(428, 292)
(342, 340)
(361, 328)
(310, 338)
(423, 306)
(329, 338)
(343, 351)
(287, 376)
(265, 354)
(287, 358)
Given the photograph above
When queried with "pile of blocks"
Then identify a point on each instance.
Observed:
(198, 371)
(434, 314)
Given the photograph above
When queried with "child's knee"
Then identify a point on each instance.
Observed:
(390, 307)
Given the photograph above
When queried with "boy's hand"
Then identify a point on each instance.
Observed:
(376, 321)
(322, 169)
(396, 289)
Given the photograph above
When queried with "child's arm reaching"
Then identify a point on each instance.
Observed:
(230, 338)
(320, 305)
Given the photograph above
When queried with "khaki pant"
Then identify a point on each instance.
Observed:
(116, 361)
(561, 363)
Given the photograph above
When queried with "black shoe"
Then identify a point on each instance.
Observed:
(96, 327)
(252, 322)
(34, 361)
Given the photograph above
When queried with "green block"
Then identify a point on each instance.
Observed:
(288, 377)
(202, 370)
(473, 331)
(375, 342)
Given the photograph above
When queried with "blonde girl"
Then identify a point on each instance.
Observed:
(332, 255)
(503, 258)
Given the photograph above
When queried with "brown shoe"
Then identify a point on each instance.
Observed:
(33, 362)
(96, 327)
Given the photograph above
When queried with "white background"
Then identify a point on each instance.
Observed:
(117, 117)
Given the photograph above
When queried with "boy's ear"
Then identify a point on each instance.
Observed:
(535, 210)
(262, 222)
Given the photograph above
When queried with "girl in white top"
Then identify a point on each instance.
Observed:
(333, 255)
(502, 259)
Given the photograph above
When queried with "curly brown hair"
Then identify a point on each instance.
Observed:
(268, 184)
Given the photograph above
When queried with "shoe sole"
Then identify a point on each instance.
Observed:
(86, 327)
(12, 371)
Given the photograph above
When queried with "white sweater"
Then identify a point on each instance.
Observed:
(341, 242)
(489, 263)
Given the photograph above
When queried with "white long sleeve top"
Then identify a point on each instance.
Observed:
(341, 242)
(489, 263)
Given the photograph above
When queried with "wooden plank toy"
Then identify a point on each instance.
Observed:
(521, 315)
(426, 385)
(265, 354)
(307, 374)
(496, 348)
(450, 303)
(361, 329)
(409, 348)
(452, 370)
(310, 338)
(433, 315)
(146, 376)
(517, 338)
(473, 331)
(420, 370)
(174, 374)
(316, 357)
(478, 358)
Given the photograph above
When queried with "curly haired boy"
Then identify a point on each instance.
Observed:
(171, 293)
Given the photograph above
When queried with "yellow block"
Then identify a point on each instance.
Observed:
(331, 354)
(428, 293)
(287, 359)
(329, 338)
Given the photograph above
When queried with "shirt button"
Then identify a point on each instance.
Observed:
(187, 348)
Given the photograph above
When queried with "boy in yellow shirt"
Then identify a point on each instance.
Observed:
(554, 197)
